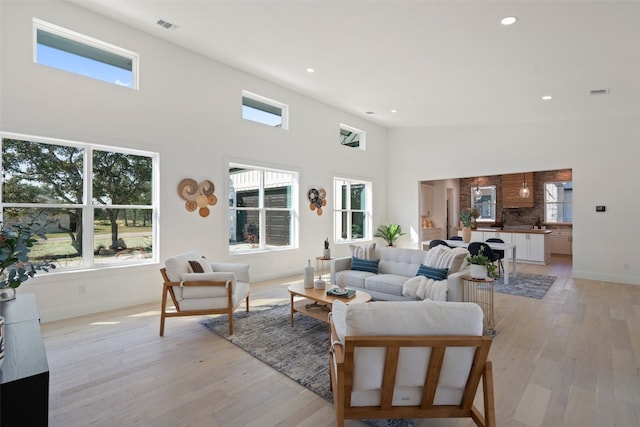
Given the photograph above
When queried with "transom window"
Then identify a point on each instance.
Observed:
(264, 110)
(263, 208)
(352, 137)
(96, 205)
(352, 209)
(558, 202)
(67, 50)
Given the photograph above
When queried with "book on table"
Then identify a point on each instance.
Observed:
(342, 293)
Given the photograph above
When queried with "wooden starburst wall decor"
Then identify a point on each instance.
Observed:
(197, 195)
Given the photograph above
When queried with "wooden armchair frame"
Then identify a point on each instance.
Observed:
(168, 290)
(341, 362)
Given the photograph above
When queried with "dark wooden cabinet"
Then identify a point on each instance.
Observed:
(24, 386)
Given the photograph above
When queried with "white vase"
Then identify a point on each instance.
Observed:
(478, 271)
(308, 275)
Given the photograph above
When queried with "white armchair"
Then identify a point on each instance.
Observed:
(422, 359)
(198, 287)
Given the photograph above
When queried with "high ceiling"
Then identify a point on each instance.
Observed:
(435, 62)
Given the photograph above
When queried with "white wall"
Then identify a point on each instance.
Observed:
(602, 154)
(188, 109)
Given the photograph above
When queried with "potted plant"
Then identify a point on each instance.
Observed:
(466, 215)
(480, 265)
(16, 242)
(389, 233)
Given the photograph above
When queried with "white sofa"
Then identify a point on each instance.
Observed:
(397, 270)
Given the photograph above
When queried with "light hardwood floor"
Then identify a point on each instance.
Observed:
(571, 359)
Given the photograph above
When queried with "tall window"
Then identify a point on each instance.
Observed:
(262, 208)
(67, 50)
(558, 202)
(95, 204)
(352, 210)
(264, 110)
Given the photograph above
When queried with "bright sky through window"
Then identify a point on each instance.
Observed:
(84, 66)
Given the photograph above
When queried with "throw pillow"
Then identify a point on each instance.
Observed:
(432, 273)
(363, 252)
(200, 266)
(368, 265)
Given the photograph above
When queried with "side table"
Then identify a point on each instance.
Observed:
(321, 266)
(480, 291)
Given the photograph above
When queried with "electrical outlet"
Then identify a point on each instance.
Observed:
(82, 289)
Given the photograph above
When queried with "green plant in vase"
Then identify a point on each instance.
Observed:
(16, 242)
(389, 233)
(482, 260)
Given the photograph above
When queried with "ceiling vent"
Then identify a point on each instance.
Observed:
(600, 92)
(166, 25)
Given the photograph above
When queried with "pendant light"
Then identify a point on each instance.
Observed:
(477, 193)
(524, 190)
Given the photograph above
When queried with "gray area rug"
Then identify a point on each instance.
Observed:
(525, 285)
(301, 352)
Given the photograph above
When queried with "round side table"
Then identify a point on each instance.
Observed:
(323, 266)
(480, 291)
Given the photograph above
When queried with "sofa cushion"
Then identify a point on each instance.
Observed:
(363, 252)
(368, 265)
(387, 283)
(178, 264)
(445, 257)
(346, 278)
(200, 265)
(400, 261)
(241, 270)
(432, 273)
(420, 287)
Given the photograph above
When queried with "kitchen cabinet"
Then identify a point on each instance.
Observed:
(511, 185)
(431, 233)
(560, 242)
(532, 247)
(427, 200)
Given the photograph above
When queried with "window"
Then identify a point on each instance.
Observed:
(67, 50)
(352, 137)
(352, 210)
(486, 205)
(263, 213)
(95, 204)
(264, 110)
(558, 202)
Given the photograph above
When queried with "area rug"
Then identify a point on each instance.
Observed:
(525, 285)
(301, 352)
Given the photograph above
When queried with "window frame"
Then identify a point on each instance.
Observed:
(361, 140)
(491, 190)
(262, 210)
(89, 42)
(266, 105)
(564, 204)
(338, 211)
(88, 205)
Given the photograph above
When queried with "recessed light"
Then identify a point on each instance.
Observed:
(310, 70)
(394, 111)
(547, 97)
(508, 20)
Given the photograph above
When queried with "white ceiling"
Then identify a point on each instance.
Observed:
(435, 62)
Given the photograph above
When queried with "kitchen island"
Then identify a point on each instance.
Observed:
(533, 244)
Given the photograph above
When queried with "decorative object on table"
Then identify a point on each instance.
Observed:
(308, 275)
(16, 242)
(465, 218)
(475, 214)
(481, 266)
(389, 233)
(317, 199)
(342, 292)
(326, 253)
(319, 283)
(197, 195)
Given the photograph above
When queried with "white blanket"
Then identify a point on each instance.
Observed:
(422, 288)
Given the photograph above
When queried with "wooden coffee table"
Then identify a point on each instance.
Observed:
(316, 303)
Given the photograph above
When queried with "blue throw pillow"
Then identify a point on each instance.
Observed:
(432, 273)
(368, 265)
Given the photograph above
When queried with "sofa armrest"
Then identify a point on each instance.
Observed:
(339, 264)
(454, 281)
